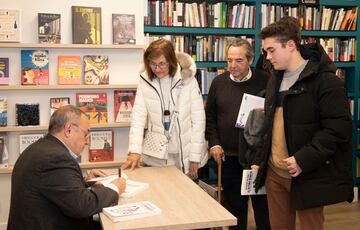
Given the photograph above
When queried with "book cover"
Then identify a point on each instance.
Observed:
(86, 25)
(69, 70)
(4, 71)
(49, 28)
(123, 104)
(57, 102)
(101, 146)
(27, 139)
(34, 67)
(123, 28)
(96, 70)
(27, 114)
(10, 21)
(3, 111)
(94, 105)
(131, 211)
(4, 155)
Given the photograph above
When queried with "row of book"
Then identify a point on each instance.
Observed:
(35, 69)
(204, 14)
(86, 26)
(311, 18)
(93, 104)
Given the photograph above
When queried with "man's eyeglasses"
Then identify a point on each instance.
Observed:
(161, 65)
(85, 132)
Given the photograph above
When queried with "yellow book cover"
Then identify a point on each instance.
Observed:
(69, 70)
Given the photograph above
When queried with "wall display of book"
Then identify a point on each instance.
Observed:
(10, 22)
(123, 104)
(3, 111)
(96, 70)
(69, 70)
(123, 28)
(34, 67)
(86, 25)
(27, 139)
(4, 71)
(4, 154)
(101, 146)
(94, 105)
(49, 30)
(27, 114)
(57, 102)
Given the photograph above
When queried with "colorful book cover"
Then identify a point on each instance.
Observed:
(10, 21)
(57, 102)
(4, 155)
(86, 25)
(3, 111)
(96, 70)
(101, 146)
(69, 70)
(94, 105)
(123, 28)
(34, 67)
(27, 114)
(27, 139)
(123, 104)
(49, 28)
(4, 71)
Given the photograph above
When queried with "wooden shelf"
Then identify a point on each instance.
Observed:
(69, 46)
(14, 128)
(64, 87)
(84, 165)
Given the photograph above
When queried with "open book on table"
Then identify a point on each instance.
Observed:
(131, 211)
(132, 187)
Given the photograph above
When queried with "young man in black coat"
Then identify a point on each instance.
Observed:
(222, 108)
(48, 190)
(306, 157)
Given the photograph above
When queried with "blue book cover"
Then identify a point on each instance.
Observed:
(34, 67)
(3, 111)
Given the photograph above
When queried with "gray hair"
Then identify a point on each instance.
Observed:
(63, 115)
(239, 42)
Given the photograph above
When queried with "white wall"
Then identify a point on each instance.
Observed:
(124, 66)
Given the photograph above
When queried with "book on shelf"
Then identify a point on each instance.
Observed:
(132, 187)
(27, 114)
(94, 105)
(69, 70)
(3, 111)
(4, 154)
(10, 22)
(131, 211)
(34, 67)
(123, 104)
(49, 28)
(123, 28)
(57, 102)
(101, 146)
(4, 71)
(86, 25)
(96, 70)
(27, 139)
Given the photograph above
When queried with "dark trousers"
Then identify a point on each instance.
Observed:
(238, 204)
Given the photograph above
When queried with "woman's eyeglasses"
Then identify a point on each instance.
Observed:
(161, 65)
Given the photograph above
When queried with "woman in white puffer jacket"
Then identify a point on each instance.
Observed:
(168, 82)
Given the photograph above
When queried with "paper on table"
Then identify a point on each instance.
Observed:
(247, 183)
(248, 103)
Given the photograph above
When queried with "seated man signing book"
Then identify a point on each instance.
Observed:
(48, 190)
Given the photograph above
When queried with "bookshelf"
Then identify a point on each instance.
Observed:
(352, 68)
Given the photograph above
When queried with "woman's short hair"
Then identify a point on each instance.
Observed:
(155, 50)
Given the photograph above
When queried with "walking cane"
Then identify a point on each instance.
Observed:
(219, 181)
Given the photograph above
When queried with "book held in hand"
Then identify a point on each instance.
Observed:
(131, 211)
(49, 28)
(248, 103)
(10, 30)
(248, 181)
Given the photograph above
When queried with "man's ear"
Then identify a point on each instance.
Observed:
(67, 129)
(291, 44)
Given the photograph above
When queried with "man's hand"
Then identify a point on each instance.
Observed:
(217, 153)
(193, 170)
(133, 161)
(120, 183)
(255, 167)
(292, 166)
(96, 173)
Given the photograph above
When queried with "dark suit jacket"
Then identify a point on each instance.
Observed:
(48, 190)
